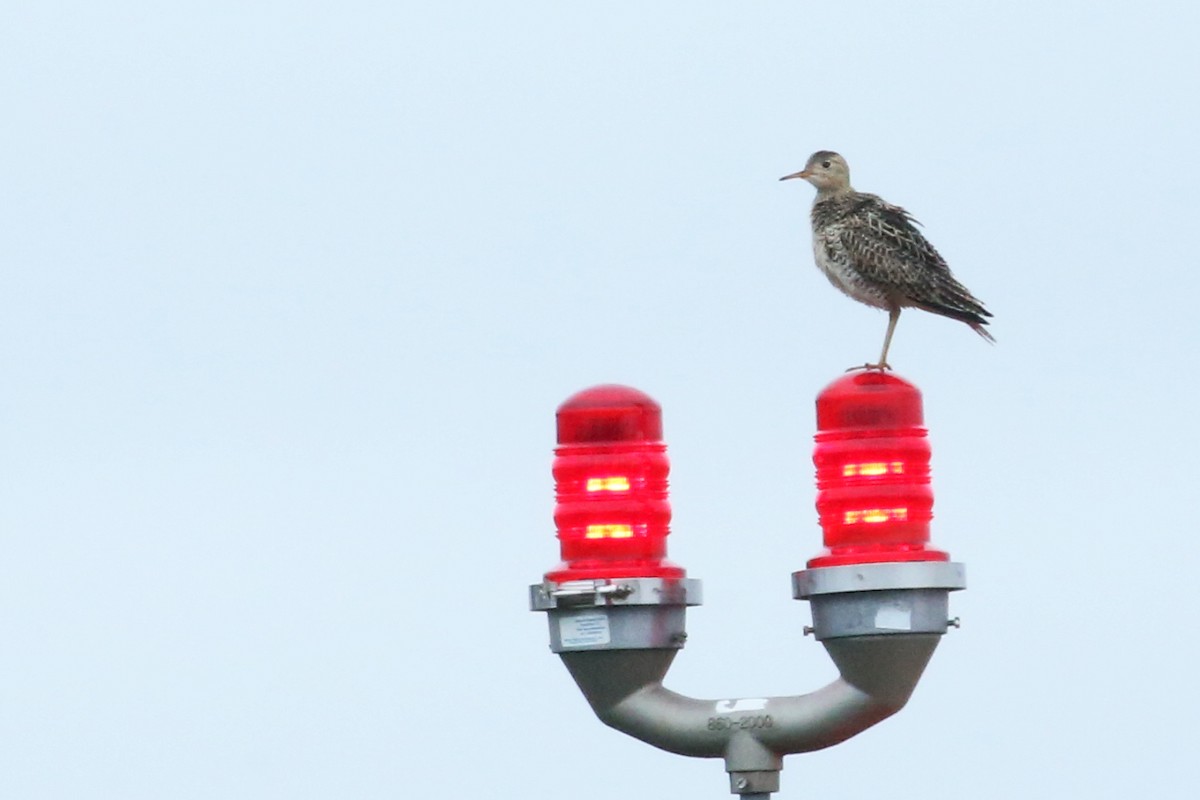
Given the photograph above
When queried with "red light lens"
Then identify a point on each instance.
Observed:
(872, 457)
(610, 473)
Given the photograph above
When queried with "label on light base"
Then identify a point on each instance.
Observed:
(741, 704)
(586, 629)
(893, 619)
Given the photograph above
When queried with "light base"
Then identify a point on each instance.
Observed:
(616, 613)
(879, 599)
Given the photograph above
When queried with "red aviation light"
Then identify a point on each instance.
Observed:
(610, 474)
(872, 458)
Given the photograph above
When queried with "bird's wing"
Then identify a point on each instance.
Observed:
(887, 249)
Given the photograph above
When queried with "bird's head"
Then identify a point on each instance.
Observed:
(825, 170)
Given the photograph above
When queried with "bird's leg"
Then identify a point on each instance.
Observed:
(893, 318)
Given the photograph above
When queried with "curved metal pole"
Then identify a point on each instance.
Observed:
(880, 623)
(878, 673)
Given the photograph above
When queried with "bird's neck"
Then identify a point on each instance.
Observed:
(833, 193)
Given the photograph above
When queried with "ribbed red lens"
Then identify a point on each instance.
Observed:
(610, 474)
(872, 457)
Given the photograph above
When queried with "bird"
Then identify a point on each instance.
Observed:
(873, 251)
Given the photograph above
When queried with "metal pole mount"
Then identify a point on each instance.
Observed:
(880, 624)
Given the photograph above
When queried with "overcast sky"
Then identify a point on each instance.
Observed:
(291, 292)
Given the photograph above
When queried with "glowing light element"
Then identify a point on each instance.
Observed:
(609, 532)
(611, 469)
(874, 498)
(873, 468)
(614, 483)
(875, 515)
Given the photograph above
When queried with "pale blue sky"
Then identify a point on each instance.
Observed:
(292, 290)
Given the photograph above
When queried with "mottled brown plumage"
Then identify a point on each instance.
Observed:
(873, 251)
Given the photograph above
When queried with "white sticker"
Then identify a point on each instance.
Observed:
(893, 619)
(584, 630)
(744, 704)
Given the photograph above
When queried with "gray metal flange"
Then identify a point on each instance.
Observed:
(616, 613)
(879, 599)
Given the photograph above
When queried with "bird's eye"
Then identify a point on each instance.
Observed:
(825, 164)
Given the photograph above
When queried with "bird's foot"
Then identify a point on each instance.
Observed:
(883, 367)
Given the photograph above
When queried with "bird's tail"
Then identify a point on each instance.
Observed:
(957, 303)
(982, 331)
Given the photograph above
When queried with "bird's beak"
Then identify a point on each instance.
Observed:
(801, 174)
